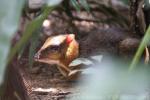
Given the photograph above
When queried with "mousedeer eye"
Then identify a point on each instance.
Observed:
(55, 48)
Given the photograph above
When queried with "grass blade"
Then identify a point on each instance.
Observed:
(140, 50)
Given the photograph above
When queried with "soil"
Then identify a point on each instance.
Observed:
(47, 77)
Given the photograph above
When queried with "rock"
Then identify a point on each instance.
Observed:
(128, 46)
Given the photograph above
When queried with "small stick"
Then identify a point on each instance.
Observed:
(146, 55)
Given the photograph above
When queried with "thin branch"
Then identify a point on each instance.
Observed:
(146, 55)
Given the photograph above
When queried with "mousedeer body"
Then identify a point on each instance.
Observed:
(60, 50)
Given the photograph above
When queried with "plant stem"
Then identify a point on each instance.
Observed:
(140, 50)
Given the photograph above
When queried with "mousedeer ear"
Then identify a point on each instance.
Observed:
(69, 38)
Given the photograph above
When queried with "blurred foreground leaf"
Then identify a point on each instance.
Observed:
(110, 80)
(78, 61)
(87, 61)
(10, 11)
(33, 26)
(98, 58)
(52, 3)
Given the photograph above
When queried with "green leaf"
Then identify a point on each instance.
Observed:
(34, 43)
(85, 5)
(126, 2)
(75, 5)
(21, 52)
(31, 27)
(10, 11)
(140, 50)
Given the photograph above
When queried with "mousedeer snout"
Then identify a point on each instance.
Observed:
(37, 56)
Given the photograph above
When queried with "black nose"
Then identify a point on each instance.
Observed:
(36, 56)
